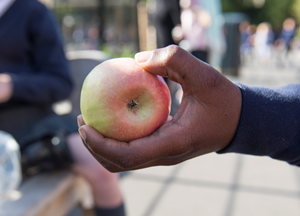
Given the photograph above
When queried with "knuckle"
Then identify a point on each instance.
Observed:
(173, 53)
(173, 49)
(177, 62)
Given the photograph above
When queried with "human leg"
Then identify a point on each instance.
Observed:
(105, 185)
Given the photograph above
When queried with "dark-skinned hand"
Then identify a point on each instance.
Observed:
(206, 120)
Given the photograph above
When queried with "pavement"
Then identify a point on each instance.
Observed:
(221, 185)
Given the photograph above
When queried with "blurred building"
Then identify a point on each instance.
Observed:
(108, 25)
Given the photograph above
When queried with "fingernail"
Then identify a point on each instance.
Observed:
(78, 121)
(82, 134)
(142, 57)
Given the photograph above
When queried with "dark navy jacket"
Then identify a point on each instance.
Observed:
(31, 53)
(269, 123)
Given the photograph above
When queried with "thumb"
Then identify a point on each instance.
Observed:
(172, 62)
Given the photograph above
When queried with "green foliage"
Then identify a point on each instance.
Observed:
(295, 10)
(276, 11)
(272, 11)
(117, 51)
(233, 5)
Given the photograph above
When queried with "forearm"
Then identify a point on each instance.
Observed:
(269, 123)
(39, 89)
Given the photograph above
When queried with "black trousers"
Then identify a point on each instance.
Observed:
(27, 123)
(201, 54)
(165, 18)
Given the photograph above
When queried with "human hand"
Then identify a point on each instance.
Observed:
(205, 122)
(6, 88)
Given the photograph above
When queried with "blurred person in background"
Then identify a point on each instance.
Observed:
(93, 35)
(287, 34)
(263, 40)
(191, 34)
(165, 18)
(245, 34)
(247, 31)
(246, 40)
(284, 43)
(34, 74)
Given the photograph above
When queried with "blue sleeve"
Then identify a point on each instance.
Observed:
(269, 123)
(49, 81)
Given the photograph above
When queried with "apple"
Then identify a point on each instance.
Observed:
(123, 101)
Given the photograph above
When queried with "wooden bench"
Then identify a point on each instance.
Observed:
(49, 194)
(56, 193)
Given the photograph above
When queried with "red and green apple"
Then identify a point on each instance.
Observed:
(123, 101)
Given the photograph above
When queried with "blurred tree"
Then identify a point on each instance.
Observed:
(272, 11)
(276, 11)
(295, 10)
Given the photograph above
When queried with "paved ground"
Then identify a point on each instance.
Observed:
(220, 185)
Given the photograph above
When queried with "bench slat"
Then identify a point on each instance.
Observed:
(47, 194)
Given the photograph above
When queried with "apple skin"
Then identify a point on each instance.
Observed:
(123, 101)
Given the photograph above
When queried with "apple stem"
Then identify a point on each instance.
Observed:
(132, 104)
